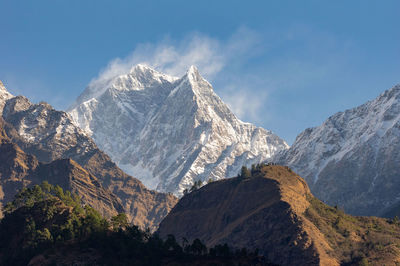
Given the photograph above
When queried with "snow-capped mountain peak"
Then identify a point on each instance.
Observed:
(141, 68)
(145, 76)
(196, 81)
(138, 77)
(193, 74)
(170, 132)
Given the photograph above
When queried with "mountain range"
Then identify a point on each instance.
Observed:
(175, 134)
(172, 132)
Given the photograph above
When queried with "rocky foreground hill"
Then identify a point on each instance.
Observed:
(51, 137)
(273, 210)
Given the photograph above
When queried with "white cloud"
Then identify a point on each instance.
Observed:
(208, 54)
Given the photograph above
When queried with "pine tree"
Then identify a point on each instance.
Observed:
(245, 173)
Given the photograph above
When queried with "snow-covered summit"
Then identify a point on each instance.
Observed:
(352, 159)
(170, 131)
(143, 76)
(193, 75)
(138, 77)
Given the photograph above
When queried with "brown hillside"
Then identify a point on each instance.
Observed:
(274, 211)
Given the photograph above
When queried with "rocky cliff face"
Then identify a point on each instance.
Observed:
(352, 159)
(274, 211)
(50, 135)
(170, 132)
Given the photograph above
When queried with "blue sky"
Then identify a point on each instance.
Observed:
(283, 65)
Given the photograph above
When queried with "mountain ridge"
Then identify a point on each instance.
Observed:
(19, 170)
(40, 130)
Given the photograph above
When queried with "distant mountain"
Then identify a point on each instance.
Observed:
(274, 211)
(352, 160)
(169, 131)
(50, 135)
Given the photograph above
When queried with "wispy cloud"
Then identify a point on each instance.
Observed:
(244, 102)
(173, 57)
